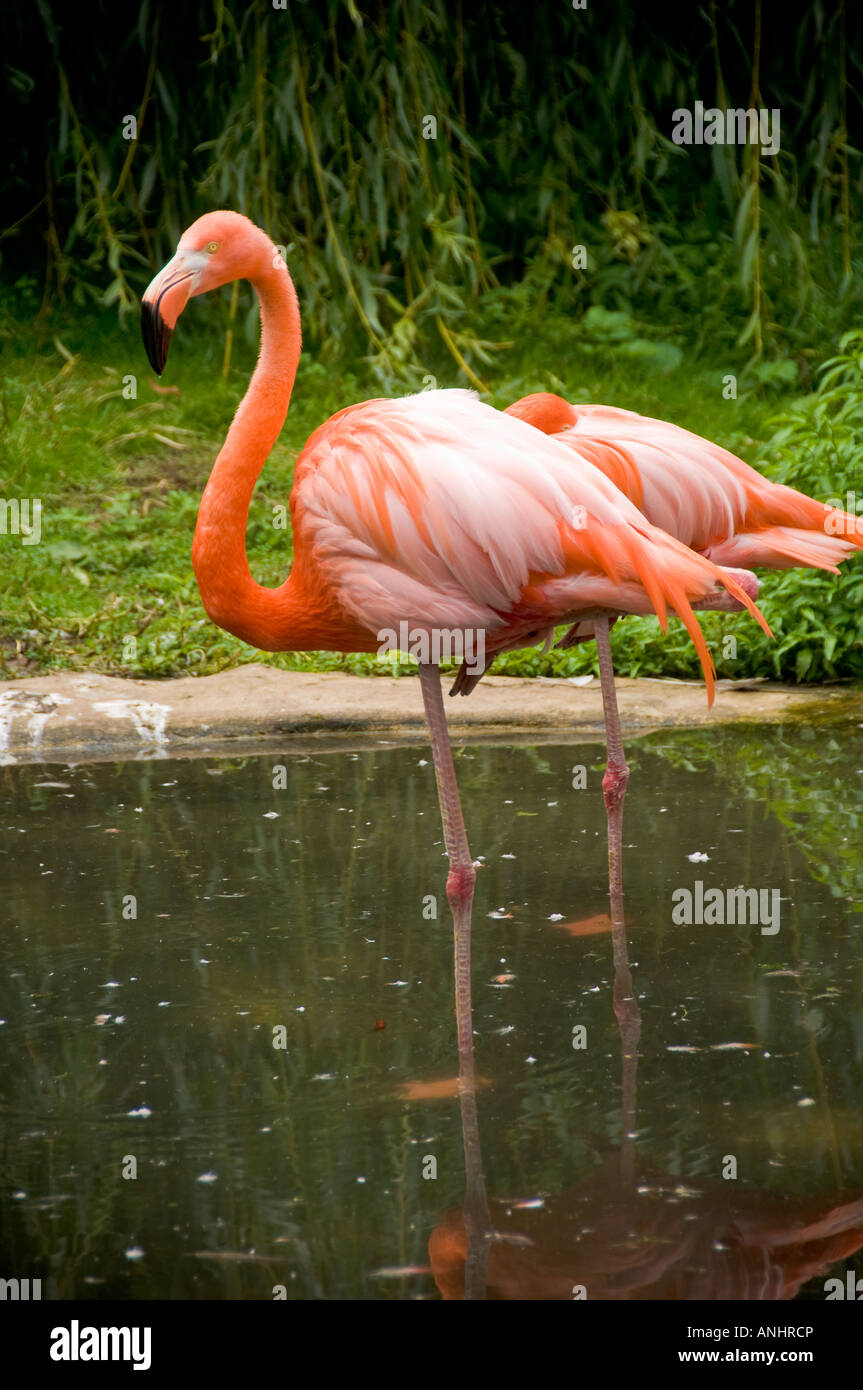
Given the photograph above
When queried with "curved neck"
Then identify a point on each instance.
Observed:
(230, 595)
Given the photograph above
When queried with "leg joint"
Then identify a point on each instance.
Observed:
(460, 883)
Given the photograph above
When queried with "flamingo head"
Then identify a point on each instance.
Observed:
(218, 248)
(545, 412)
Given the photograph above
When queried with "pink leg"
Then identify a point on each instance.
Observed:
(629, 1024)
(616, 772)
(462, 875)
(625, 1003)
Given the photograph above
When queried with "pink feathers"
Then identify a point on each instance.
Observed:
(437, 510)
(695, 490)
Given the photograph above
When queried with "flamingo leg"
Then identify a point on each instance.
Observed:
(616, 772)
(625, 1003)
(628, 1017)
(462, 874)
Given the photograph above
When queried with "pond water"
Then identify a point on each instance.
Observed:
(228, 1061)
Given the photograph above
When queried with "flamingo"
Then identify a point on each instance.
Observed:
(433, 509)
(699, 493)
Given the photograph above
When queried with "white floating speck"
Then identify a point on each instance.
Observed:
(698, 857)
(143, 1112)
(207, 1177)
(135, 1253)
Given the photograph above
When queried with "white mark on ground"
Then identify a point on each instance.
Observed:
(37, 709)
(148, 718)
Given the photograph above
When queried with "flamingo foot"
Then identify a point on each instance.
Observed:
(720, 601)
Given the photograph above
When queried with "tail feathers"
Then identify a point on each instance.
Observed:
(677, 584)
(667, 588)
(774, 505)
(690, 622)
(669, 574)
(784, 547)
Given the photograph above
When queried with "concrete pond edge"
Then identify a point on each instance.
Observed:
(84, 716)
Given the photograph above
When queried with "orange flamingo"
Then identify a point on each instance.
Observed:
(704, 496)
(433, 510)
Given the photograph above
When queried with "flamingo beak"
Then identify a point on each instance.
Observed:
(164, 300)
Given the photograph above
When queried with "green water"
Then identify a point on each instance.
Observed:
(137, 1036)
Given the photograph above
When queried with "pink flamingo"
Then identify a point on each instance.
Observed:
(434, 510)
(704, 496)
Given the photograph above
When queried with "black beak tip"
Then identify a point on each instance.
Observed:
(156, 335)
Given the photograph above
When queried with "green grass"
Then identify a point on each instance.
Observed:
(120, 479)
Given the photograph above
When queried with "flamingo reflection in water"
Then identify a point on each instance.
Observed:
(624, 1233)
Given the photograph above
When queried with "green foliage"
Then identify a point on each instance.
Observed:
(410, 156)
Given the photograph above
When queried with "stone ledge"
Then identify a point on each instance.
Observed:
(78, 716)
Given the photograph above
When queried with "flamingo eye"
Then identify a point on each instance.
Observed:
(211, 247)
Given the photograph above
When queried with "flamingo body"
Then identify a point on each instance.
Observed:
(436, 510)
(697, 491)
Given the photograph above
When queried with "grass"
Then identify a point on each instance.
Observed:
(119, 461)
